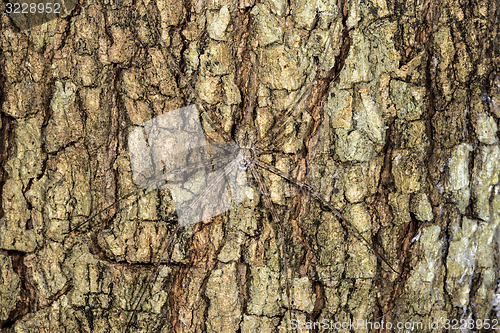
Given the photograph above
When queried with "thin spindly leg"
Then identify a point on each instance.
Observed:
(211, 116)
(276, 132)
(326, 203)
(269, 205)
(152, 277)
(275, 152)
(155, 185)
(166, 245)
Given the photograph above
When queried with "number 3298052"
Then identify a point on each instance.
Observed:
(33, 8)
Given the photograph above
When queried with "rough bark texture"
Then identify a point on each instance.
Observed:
(404, 143)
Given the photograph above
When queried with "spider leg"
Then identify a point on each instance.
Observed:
(154, 274)
(326, 203)
(277, 130)
(274, 214)
(107, 208)
(210, 115)
(275, 152)
(158, 183)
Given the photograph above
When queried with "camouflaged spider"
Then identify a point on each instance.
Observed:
(263, 143)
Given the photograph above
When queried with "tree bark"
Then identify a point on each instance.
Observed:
(403, 142)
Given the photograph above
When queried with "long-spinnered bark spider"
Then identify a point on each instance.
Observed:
(263, 142)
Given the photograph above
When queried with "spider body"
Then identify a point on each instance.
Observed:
(245, 158)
